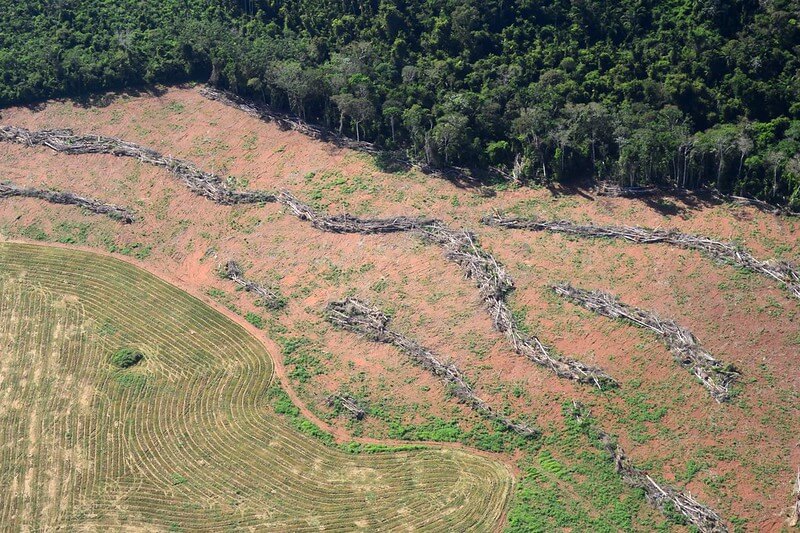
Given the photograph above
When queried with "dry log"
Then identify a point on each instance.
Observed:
(616, 190)
(268, 297)
(724, 252)
(359, 317)
(348, 403)
(116, 212)
(203, 183)
(715, 376)
(660, 495)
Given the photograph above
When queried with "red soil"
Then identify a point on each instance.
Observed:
(748, 447)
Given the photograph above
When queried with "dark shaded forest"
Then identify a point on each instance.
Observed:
(679, 93)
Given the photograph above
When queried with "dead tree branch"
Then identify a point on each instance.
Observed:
(661, 496)
(348, 403)
(724, 252)
(359, 317)
(200, 182)
(715, 376)
(269, 297)
(116, 212)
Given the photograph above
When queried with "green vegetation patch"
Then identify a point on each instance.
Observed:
(126, 357)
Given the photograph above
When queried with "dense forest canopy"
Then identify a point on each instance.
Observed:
(685, 93)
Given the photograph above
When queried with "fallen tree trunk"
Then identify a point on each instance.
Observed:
(116, 212)
(359, 317)
(269, 298)
(725, 252)
(203, 183)
(660, 495)
(714, 376)
(348, 403)
(616, 190)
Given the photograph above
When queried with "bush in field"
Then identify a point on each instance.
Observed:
(126, 357)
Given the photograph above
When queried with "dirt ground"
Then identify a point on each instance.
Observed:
(739, 457)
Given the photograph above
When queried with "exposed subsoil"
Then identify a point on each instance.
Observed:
(748, 447)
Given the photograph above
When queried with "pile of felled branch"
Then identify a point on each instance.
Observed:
(726, 252)
(348, 403)
(116, 212)
(494, 283)
(203, 183)
(761, 205)
(715, 376)
(269, 298)
(662, 496)
(359, 317)
(346, 223)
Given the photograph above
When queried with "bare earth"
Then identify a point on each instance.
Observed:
(749, 447)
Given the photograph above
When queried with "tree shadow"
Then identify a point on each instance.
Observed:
(102, 99)
(571, 189)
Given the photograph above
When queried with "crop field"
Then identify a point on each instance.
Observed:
(188, 437)
(197, 434)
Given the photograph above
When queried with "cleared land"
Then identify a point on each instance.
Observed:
(740, 458)
(187, 438)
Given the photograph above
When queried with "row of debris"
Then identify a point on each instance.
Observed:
(361, 318)
(200, 182)
(8, 190)
(715, 376)
(663, 497)
(725, 252)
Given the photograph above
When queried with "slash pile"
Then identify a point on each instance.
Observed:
(359, 317)
(268, 297)
(660, 496)
(116, 212)
(725, 252)
(714, 376)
